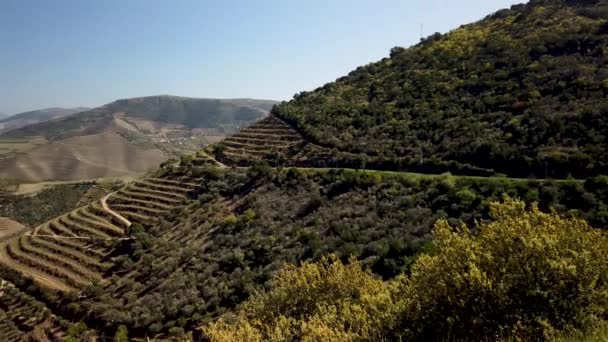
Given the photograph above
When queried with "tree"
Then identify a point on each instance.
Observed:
(76, 332)
(121, 335)
(186, 160)
(259, 170)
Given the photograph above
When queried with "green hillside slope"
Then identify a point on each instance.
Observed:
(522, 92)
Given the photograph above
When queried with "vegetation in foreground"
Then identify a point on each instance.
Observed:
(525, 275)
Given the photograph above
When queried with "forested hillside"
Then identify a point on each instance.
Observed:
(522, 92)
(512, 106)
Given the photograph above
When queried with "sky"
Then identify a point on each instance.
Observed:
(69, 53)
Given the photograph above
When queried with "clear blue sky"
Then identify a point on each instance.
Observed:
(65, 53)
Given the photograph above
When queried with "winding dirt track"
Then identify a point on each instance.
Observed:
(104, 204)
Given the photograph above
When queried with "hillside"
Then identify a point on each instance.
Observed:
(10, 122)
(124, 137)
(191, 242)
(359, 171)
(521, 92)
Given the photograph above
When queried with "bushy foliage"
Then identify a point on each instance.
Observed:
(50, 202)
(526, 274)
(522, 92)
(324, 301)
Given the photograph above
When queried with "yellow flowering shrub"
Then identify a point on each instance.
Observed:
(325, 301)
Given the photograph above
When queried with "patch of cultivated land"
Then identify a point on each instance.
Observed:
(267, 137)
(68, 252)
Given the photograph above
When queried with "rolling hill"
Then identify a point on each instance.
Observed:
(10, 122)
(173, 251)
(124, 137)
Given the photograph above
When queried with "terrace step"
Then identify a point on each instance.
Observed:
(254, 147)
(82, 229)
(269, 125)
(58, 260)
(237, 156)
(49, 276)
(138, 217)
(163, 187)
(97, 209)
(72, 253)
(141, 188)
(259, 154)
(56, 227)
(260, 142)
(106, 229)
(262, 136)
(75, 245)
(148, 195)
(277, 131)
(95, 216)
(70, 242)
(172, 182)
(134, 207)
(120, 199)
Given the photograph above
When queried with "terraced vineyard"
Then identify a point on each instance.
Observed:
(144, 201)
(21, 315)
(72, 251)
(270, 138)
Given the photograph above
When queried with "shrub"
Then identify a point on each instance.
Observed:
(121, 335)
(325, 301)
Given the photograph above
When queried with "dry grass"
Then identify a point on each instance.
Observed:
(105, 154)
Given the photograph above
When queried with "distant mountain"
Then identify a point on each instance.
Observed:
(124, 137)
(10, 122)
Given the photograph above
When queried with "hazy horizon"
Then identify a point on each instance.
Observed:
(70, 53)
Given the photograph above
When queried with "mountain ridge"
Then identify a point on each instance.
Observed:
(15, 121)
(124, 136)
